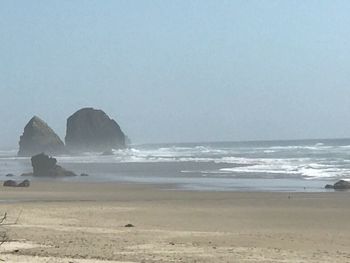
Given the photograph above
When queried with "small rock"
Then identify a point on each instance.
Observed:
(342, 185)
(129, 225)
(10, 183)
(25, 183)
(9, 175)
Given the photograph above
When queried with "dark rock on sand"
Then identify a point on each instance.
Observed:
(129, 225)
(341, 185)
(92, 130)
(11, 183)
(25, 183)
(39, 137)
(46, 166)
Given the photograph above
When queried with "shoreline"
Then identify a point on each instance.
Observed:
(196, 184)
(37, 184)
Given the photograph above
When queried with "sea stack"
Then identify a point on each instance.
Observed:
(92, 130)
(39, 137)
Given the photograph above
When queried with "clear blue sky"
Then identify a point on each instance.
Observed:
(171, 71)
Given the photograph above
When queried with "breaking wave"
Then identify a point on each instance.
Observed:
(306, 160)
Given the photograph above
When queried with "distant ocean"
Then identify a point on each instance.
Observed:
(292, 166)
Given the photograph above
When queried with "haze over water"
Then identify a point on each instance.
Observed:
(185, 71)
(179, 71)
(175, 131)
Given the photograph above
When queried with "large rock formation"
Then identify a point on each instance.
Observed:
(45, 166)
(39, 137)
(92, 130)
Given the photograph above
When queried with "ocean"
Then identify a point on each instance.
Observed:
(283, 166)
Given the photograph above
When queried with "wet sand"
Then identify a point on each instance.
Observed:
(85, 222)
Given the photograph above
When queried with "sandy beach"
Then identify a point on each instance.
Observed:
(85, 222)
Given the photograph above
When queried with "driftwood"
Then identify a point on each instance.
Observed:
(3, 232)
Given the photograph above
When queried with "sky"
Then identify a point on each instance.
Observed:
(178, 71)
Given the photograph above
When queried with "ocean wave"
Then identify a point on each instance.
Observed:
(294, 164)
(282, 169)
(317, 147)
(293, 167)
(310, 161)
(269, 151)
(345, 146)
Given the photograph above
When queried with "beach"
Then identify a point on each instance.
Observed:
(175, 131)
(54, 221)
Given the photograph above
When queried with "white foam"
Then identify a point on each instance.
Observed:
(322, 161)
(269, 151)
(302, 167)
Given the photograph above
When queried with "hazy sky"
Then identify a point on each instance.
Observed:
(171, 71)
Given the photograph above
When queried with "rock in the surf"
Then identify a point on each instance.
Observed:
(89, 129)
(39, 137)
(46, 166)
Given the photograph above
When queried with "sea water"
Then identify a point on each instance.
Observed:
(303, 165)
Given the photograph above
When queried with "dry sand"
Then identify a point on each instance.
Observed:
(84, 222)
